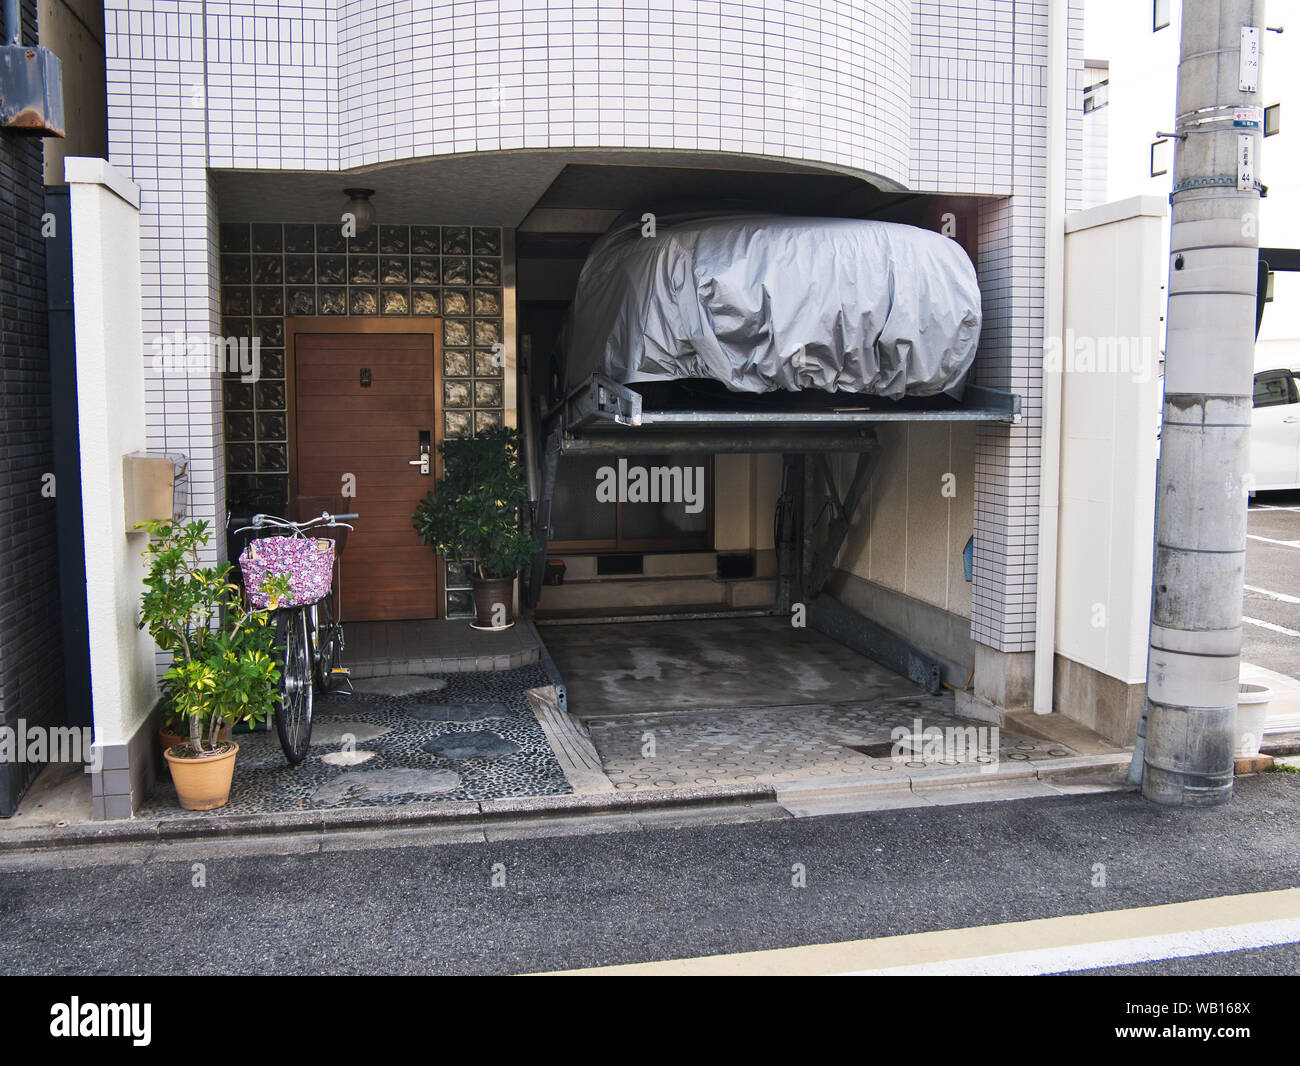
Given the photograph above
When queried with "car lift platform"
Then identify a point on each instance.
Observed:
(604, 417)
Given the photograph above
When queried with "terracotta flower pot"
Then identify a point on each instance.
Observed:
(203, 784)
(491, 595)
(169, 740)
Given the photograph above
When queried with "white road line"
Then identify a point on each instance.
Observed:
(1269, 625)
(1280, 596)
(1039, 945)
(1270, 540)
(1108, 953)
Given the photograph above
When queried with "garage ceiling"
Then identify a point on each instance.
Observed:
(501, 188)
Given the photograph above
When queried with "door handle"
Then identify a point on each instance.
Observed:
(1291, 418)
(425, 459)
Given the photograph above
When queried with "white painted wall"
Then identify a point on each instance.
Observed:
(106, 289)
(1110, 416)
(910, 533)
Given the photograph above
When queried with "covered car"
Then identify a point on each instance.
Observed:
(763, 303)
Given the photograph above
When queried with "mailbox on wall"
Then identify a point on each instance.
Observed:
(155, 486)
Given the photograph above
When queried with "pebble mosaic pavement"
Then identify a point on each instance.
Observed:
(473, 738)
(784, 744)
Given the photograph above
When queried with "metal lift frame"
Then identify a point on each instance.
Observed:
(603, 417)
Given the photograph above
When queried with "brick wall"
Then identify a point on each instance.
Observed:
(31, 669)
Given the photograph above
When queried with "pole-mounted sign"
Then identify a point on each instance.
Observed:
(1248, 76)
(1245, 161)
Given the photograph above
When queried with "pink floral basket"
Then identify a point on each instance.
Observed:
(309, 563)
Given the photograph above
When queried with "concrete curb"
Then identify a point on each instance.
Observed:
(1284, 744)
(464, 812)
(471, 814)
(948, 777)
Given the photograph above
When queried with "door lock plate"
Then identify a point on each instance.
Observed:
(425, 462)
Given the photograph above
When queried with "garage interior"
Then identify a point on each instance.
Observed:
(786, 485)
(649, 620)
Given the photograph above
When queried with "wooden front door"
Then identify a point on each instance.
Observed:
(361, 402)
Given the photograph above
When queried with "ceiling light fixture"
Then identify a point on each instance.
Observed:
(360, 207)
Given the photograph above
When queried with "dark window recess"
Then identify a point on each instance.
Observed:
(620, 564)
(734, 567)
(585, 517)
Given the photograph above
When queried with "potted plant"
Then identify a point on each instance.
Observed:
(473, 513)
(221, 669)
(1252, 713)
(173, 729)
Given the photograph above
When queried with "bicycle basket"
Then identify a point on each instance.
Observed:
(309, 564)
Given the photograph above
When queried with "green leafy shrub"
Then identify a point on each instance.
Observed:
(222, 670)
(473, 512)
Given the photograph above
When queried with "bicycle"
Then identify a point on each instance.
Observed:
(308, 638)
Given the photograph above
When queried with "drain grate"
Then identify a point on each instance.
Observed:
(876, 751)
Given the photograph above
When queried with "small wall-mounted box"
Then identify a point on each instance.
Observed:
(31, 90)
(155, 486)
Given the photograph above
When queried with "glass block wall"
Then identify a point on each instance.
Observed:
(271, 270)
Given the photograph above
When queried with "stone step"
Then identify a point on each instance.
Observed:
(660, 592)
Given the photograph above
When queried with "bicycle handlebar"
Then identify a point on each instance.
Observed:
(260, 521)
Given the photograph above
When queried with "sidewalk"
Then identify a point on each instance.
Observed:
(465, 751)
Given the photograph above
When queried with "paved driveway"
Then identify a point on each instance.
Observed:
(642, 668)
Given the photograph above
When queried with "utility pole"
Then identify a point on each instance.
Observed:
(1195, 646)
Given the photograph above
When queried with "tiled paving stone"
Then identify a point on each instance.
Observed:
(477, 706)
(457, 712)
(347, 758)
(479, 744)
(373, 784)
(397, 685)
(782, 744)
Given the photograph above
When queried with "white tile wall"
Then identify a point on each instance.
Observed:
(979, 84)
(941, 95)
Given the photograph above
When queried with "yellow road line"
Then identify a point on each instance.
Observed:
(986, 940)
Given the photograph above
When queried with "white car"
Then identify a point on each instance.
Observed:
(1275, 430)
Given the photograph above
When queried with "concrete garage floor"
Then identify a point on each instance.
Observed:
(724, 702)
(637, 668)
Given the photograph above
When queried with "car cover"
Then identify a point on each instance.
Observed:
(765, 302)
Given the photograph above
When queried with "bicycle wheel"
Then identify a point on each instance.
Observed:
(293, 708)
(329, 643)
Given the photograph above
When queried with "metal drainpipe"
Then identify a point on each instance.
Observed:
(1049, 469)
(13, 22)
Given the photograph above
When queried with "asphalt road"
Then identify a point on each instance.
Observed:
(1273, 583)
(611, 896)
